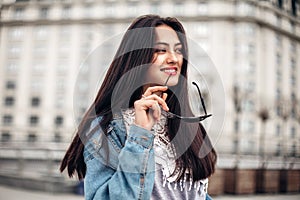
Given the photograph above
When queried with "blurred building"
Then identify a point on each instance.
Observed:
(255, 46)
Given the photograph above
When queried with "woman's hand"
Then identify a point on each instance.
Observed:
(148, 108)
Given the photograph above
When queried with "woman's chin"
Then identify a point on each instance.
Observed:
(172, 83)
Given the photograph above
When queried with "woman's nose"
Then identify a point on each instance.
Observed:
(172, 57)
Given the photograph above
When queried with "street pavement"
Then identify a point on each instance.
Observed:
(9, 193)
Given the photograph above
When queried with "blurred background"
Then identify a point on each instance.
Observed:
(254, 45)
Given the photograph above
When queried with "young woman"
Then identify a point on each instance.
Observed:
(128, 145)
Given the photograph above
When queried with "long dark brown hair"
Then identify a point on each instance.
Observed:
(191, 142)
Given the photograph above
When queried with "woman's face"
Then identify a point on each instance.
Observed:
(167, 58)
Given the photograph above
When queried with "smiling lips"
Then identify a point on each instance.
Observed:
(169, 70)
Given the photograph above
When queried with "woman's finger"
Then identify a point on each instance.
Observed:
(156, 111)
(146, 112)
(155, 89)
(145, 104)
(160, 100)
(164, 96)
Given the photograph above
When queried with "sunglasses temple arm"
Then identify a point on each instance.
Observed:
(167, 80)
(202, 101)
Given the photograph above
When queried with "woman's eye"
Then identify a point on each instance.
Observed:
(179, 51)
(160, 50)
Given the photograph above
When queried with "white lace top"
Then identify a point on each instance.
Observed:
(165, 165)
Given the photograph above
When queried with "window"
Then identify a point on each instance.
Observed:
(294, 7)
(19, 13)
(202, 8)
(16, 34)
(7, 119)
(249, 126)
(246, 48)
(36, 84)
(14, 50)
(251, 48)
(293, 63)
(9, 101)
(57, 137)
(35, 101)
(31, 137)
(132, 8)
(249, 29)
(278, 20)
(64, 48)
(244, 29)
(60, 84)
(280, 3)
(278, 150)
(293, 112)
(278, 75)
(60, 101)
(10, 85)
(178, 8)
(278, 111)
(244, 8)
(86, 39)
(83, 87)
(88, 10)
(66, 12)
(278, 40)
(293, 150)
(85, 68)
(65, 33)
(59, 120)
(40, 50)
(62, 66)
(110, 10)
(293, 132)
(38, 67)
(41, 32)
(44, 12)
(204, 46)
(294, 105)
(248, 147)
(278, 130)
(250, 86)
(236, 125)
(201, 29)
(12, 67)
(5, 136)
(293, 79)
(293, 27)
(293, 48)
(33, 120)
(248, 105)
(155, 7)
(235, 146)
(293, 98)
(108, 30)
(278, 59)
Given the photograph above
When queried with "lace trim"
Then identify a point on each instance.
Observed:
(165, 156)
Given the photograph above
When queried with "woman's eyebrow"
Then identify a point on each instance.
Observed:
(167, 44)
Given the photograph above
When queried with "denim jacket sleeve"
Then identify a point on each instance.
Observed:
(127, 172)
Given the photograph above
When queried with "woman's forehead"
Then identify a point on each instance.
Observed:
(166, 34)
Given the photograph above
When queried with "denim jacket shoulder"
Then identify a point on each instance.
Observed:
(120, 164)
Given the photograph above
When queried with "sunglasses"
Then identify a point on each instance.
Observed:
(194, 119)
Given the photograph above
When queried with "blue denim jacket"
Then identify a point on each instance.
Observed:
(128, 171)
